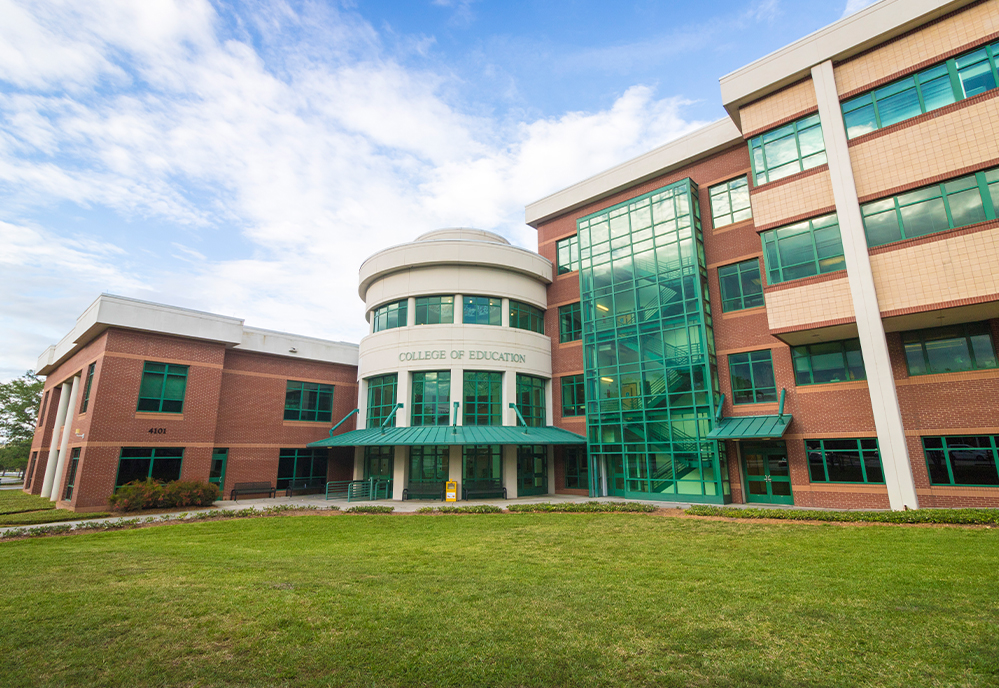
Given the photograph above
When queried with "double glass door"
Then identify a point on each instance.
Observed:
(532, 470)
(768, 478)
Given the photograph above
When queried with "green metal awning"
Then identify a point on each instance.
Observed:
(750, 427)
(437, 435)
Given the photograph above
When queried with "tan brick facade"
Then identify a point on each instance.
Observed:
(810, 304)
(784, 106)
(787, 201)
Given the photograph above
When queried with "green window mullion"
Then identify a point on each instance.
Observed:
(950, 469)
(863, 462)
(825, 461)
(986, 194)
(955, 80)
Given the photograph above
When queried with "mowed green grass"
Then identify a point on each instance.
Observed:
(13, 501)
(20, 509)
(503, 600)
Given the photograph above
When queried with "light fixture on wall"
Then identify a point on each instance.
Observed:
(293, 350)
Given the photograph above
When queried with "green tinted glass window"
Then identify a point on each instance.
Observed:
(787, 150)
(573, 399)
(967, 460)
(844, 461)
(577, 468)
(531, 399)
(950, 349)
(431, 398)
(162, 387)
(87, 386)
(570, 323)
(308, 401)
(434, 310)
(482, 310)
(391, 315)
(803, 249)
(74, 464)
(481, 462)
(429, 464)
(482, 392)
(741, 285)
(752, 376)
(524, 316)
(381, 400)
(301, 464)
(730, 202)
(828, 362)
(162, 464)
(567, 254)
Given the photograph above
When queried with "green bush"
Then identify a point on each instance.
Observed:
(584, 507)
(370, 510)
(947, 516)
(150, 494)
(476, 509)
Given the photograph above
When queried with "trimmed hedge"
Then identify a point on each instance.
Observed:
(587, 507)
(370, 510)
(153, 495)
(476, 509)
(950, 516)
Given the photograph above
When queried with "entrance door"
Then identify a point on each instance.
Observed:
(216, 475)
(615, 475)
(532, 470)
(768, 479)
(378, 462)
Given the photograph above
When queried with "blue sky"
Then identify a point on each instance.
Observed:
(244, 156)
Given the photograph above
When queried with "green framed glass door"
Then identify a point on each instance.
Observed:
(532, 470)
(768, 477)
(216, 475)
(615, 475)
(378, 462)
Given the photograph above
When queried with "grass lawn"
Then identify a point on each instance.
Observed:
(13, 501)
(503, 600)
(20, 509)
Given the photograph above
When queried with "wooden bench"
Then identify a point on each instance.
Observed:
(434, 490)
(305, 485)
(252, 488)
(482, 488)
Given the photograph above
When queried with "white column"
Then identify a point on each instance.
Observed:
(411, 311)
(400, 472)
(510, 470)
(551, 469)
(358, 463)
(454, 466)
(64, 445)
(549, 402)
(362, 404)
(50, 465)
(880, 380)
(402, 396)
(509, 395)
(458, 309)
(457, 394)
(505, 317)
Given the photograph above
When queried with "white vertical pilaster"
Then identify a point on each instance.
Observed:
(454, 466)
(402, 396)
(549, 402)
(64, 445)
(505, 317)
(458, 309)
(358, 463)
(880, 380)
(457, 394)
(510, 470)
(509, 395)
(60, 419)
(400, 472)
(411, 311)
(551, 469)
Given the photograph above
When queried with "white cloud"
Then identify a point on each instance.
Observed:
(856, 5)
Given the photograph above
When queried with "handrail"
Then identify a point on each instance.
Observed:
(780, 411)
(514, 407)
(342, 420)
(721, 403)
(391, 415)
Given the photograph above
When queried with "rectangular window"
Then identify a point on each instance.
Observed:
(431, 398)
(308, 401)
(301, 464)
(925, 91)
(86, 388)
(428, 464)
(526, 317)
(730, 202)
(962, 460)
(752, 377)
(481, 462)
(531, 399)
(950, 349)
(741, 285)
(577, 468)
(391, 315)
(74, 463)
(573, 400)
(844, 461)
(815, 364)
(570, 323)
(567, 254)
(482, 398)
(787, 150)
(162, 388)
(931, 209)
(381, 400)
(812, 247)
(434, 310)
(162, 464)
(481, 310)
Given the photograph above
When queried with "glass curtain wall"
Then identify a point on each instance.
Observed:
(650, 368)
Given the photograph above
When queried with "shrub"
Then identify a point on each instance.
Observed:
(948, 516)
(584, 507)
(136, 495)
(370, 510)
(188, 493)
(150, 494)
(474, 509)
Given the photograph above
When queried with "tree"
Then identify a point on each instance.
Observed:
(19, 402)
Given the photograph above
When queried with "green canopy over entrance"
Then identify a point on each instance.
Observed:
(750, 427)
(436, 435)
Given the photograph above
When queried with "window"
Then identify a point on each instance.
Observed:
(531, 399)
(428, 464)
(815, 364)
(752, 377)
(936, 208)
(162, 464)
(573, 400)
(482, 398)
(730, 202)
(391, 315)
(381, 400)
(570, 323)
(86, 388)
(925, 91)
(41, 409)
(74, 463)
(301, 464)
(962, 460)
(741, 285)
(431, 398)
(803, 249)
(162, 388)
(577, 468)
(482, 310)
(844, 461)
(787, 150)
(481, 462)
(308, 401)
(567, 254)
(949, 349)
(434, 310)
(29, 476)
(526, 317)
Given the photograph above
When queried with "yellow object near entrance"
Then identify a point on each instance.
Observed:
(451, 491)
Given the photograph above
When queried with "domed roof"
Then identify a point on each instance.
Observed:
(462, 234)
